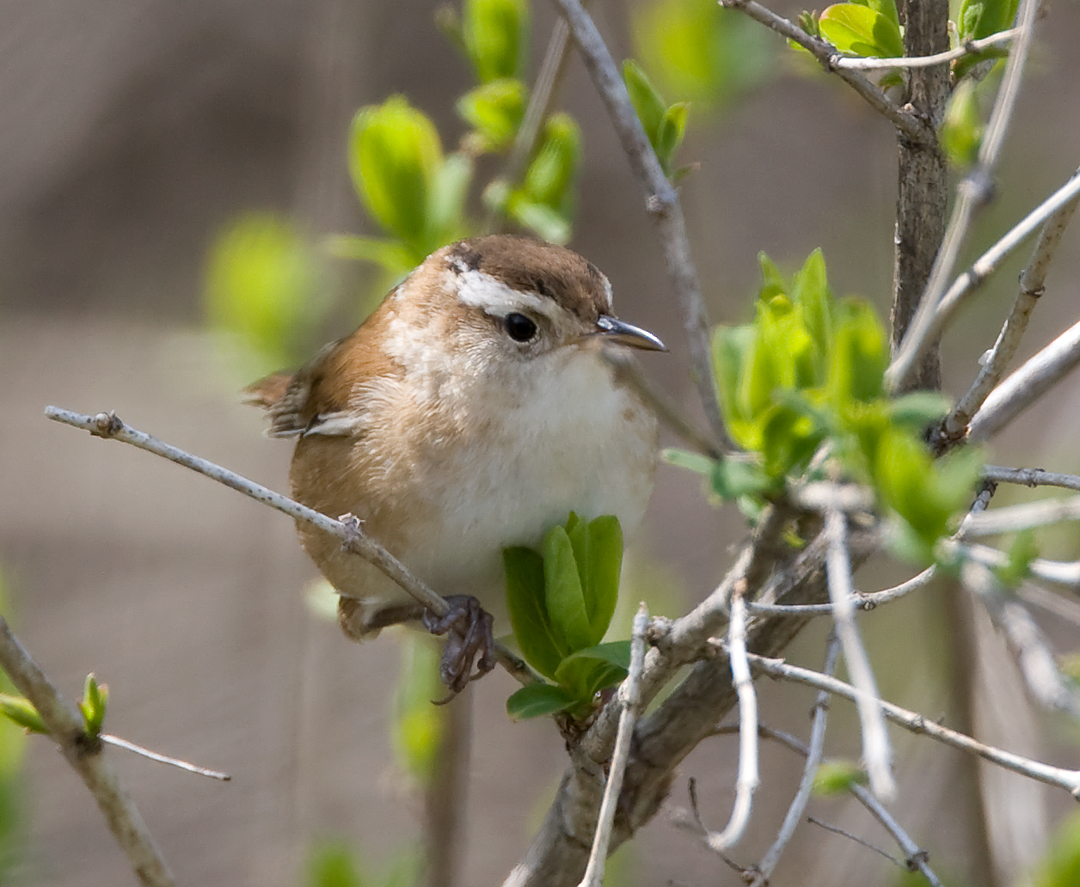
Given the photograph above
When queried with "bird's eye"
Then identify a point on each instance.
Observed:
(519, 327)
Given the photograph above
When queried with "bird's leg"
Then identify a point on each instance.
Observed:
(468, 630)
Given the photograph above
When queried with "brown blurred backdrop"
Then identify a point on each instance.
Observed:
(131, 134)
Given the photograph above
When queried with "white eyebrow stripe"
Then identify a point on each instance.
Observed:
(492, 296)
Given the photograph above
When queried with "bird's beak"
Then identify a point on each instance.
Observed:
(611, 329)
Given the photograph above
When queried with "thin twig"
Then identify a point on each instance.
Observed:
(861, 600)
(916, 723)
(662, 202)
(1027, 516)
(767, 865)
(972, 193)
(911, 125)
(844, 833)
(1025, 639)
(877, 754)
(1026, 385)
(917, 858)
(747, 780)
(1032, 279)
(1065, 573)
(543, 95)
(1031, 477)
(972, 47)
(84, 754)
(934, 320)
(630, 699)
(164, 759)
(348, 530)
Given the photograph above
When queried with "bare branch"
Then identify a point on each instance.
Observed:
(164, 759)
(84, 754)
(851, 836)
(1027, 384)
(1028, 516)
(861, 600)
(747, 780)
(662, 202)
(630, 700)
(972, 47)
(348, 530)
(911, 125)
(1057, 572)
(1031, 289)
(933, 321)
(916, 723)
(972, 193)
(769, 861)
(1031, 477)
(877, 753)
(1025, 639)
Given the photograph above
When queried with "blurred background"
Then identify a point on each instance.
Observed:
(133, 136)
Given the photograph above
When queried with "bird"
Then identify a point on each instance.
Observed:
(473, 410)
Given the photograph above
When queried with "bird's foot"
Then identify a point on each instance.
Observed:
(469, 641)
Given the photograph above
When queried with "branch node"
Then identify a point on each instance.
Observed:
(106, 425)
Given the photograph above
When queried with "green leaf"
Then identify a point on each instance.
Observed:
(773, 283)
(263, 286)
(860, 30)
(735, 478)
(698, 52)
(550, 177)
(981, 18)
(496, 37)
(585, 677)
(857, 357)
(564, 596)
(918, 409)
(537, 700)
(616, 653)
(670, 134)
(93, 704)
(22, 712)
(695, 462)
(833, 777)
(539, 218)
(495, 111)
(525, 602)
(601, 584)
(446, 201)
(647, 102)
(394, 157)
(962, 129)
(810, 291)
(1021, 553)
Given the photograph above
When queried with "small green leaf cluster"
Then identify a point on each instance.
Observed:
(809, 371)
(21, 711)
(977, 19)
(664, 125)
(92, 705)
(869, 29)
(561, 600)
(698, 52)
(418, 193)
(263, 286)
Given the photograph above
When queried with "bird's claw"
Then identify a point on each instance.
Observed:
(470, 641)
